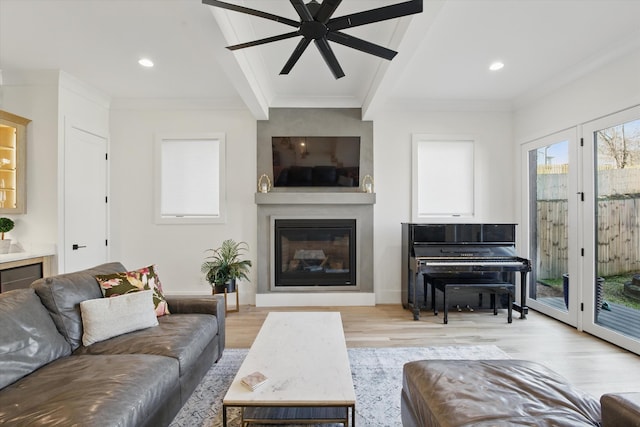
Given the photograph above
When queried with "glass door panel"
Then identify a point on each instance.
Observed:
(551, 203)
(617, 228)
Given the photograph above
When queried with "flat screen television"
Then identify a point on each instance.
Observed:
(316, 161)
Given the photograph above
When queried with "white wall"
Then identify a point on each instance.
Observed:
(34, 95)
(494, 183)
(609, 89)
(178, 250)
(83, 106)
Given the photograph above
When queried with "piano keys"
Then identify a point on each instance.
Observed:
(450, 253)
(473, 265)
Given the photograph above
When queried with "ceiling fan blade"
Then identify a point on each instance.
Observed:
(253, 12)
(329, 57)
(303, 11)
(300, 48)
(361, 45)
(375, 15)
(263, 41)
(326, 10)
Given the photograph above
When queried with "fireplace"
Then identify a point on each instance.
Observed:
(319, 276)
(315, 253)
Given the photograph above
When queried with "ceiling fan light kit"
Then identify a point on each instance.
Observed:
(317, 25)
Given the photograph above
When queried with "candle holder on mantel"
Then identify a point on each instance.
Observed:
(264, 183)
(367, 184)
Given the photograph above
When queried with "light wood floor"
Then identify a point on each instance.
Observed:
(591, 364)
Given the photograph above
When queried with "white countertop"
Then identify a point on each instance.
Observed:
(21, 252)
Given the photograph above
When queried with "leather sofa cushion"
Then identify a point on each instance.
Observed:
(325, 176)
(62, 296)
(493, 393)
(179, 336)
(98, 390)
(28, 337)
(300, 176)
(205, 304)
(620, 409)
(283, 178)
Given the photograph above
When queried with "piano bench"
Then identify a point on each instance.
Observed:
(473, 285)
(456, 393)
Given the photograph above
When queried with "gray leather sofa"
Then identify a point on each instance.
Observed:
(457, 393)
(141, 378)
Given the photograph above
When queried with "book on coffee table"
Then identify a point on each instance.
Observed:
(254, 380)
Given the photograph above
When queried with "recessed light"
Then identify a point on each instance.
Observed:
(145, 62)
(496, 66)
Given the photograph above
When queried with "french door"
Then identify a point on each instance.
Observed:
(612, 228)
(551, 233)
(582, 231)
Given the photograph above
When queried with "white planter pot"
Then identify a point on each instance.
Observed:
(5, 245)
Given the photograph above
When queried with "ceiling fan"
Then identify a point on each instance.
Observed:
(317, 25)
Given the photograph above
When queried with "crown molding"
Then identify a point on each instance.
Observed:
(177, 104)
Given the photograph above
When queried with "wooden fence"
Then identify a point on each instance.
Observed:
(618, 231)
(552, 182)
(618, 237)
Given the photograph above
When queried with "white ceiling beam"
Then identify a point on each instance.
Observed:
(237, 68)
(410, 32)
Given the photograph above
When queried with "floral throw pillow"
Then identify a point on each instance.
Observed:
(135, 281)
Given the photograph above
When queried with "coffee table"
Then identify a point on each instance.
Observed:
(304, 356)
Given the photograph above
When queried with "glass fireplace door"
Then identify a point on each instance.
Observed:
(315, 252)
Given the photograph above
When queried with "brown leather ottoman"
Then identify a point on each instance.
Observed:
(450, 393)
(620, 409)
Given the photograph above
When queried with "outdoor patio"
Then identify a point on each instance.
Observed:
(621, 319)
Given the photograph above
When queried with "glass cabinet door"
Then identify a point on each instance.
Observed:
(13, 137)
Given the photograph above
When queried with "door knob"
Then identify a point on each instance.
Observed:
(76, 246)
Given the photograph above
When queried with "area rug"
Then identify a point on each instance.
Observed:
(377, 379)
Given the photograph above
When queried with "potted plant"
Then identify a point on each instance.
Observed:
(6, 225)
(225, 266)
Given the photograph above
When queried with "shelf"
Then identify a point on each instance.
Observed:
(13, 152)
(315, 198)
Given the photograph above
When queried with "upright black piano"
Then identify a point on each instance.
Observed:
(482, 253)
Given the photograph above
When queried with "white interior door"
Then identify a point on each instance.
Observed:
(85, 200)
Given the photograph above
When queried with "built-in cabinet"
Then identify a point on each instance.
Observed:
(21, 273)
(13, 144)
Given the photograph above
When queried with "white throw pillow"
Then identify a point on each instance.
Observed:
(105, 318)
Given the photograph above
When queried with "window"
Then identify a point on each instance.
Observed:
(443, 181)
(189, 182)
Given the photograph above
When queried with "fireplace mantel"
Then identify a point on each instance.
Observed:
(315, 198)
